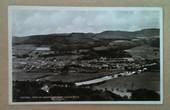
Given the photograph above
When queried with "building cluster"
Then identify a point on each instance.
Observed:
(34, 62)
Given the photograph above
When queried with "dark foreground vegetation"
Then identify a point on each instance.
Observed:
(30, 91)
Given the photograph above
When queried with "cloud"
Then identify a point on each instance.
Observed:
(31, 22)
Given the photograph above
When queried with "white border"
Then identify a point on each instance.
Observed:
(11, 8)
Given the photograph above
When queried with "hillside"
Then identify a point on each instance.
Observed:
(84, 37)
(107, 43)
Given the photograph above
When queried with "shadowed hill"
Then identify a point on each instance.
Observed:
(110, 42)
(83, 37)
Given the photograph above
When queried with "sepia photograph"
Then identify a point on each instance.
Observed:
(85, 55)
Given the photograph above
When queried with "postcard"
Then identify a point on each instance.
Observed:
(85, 55)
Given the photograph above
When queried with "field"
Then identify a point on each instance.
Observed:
(147, 80)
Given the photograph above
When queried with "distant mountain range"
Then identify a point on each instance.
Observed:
(106, 39)
(111, 43)
(84, 37)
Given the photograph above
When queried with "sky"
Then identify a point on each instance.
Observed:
(35, 21)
